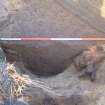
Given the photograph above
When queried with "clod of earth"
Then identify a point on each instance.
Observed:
(88, 61)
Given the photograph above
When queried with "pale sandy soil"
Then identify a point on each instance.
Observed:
(41, 17)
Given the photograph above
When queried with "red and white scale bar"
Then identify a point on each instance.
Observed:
(45, 39)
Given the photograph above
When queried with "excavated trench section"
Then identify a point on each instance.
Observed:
(44, 58)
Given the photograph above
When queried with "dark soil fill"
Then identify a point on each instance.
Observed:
(44, 58)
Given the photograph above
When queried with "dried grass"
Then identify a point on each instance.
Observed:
(15, 83)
